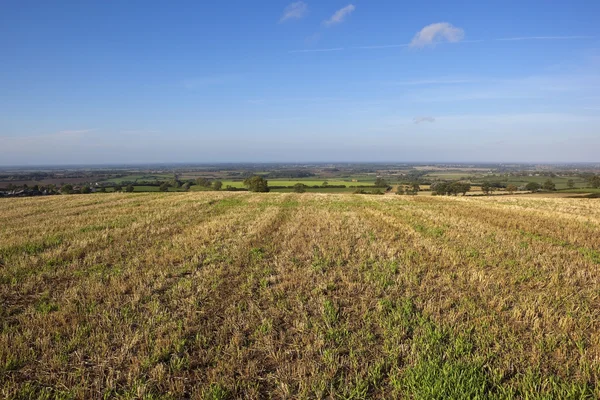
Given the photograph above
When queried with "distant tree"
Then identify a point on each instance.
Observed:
(299, 188)
(85, 190)
(380, 182)
(440, 188)
(400, 189)
(549, 185)
(511, 189)
(164, 187)
(257, 183)
(533, 186)
(595, 181)
(465, 187)
(10, 186)
(203, 182)
(66, 189)
(102, 189)
(453, 188)
(486, 188)
(118, 188)
(570, 183)
(129, 188)
(325, 183)
(186, 186)
(415, 188)
(217, 185)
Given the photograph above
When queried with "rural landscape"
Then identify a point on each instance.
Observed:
(360, 178)
(210, 200)
(326, 290)
(222, 295)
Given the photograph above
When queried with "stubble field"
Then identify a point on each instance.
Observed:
(239, 295)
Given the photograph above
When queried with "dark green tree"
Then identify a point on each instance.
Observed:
(299, 188)
(66, 189)
(549, 185)
(486, 188)
(533, 186)
(415, 188)
(164, 187)
(257, 183)
(203, 182)
(85, 190)
(440, 188)
(380, 182)
(129, 188)
(217, 185)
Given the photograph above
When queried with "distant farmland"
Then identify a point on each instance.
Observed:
(222, 295)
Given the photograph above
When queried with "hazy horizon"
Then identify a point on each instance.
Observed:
(356, 81)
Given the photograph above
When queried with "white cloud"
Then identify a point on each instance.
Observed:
(437, 33)
(339, 16)
(296, 10)
(418, 120)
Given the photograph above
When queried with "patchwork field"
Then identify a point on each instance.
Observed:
(308, 182)
(238, 295)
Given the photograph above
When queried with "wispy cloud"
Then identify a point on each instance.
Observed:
(513, 39)
(437, 33)
(296, 10)
(418, 120)
(553, 87)
(317, 50)
(339, 16)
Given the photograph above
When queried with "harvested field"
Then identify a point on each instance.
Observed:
(239, 295)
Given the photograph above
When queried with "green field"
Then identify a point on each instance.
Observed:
(145, 188)
(586, 190)
(449, 175)
(560, 182)
(292, 182)
(478, 178)
(139, 177)
(319, 190)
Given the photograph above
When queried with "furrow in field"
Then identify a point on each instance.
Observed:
(523, 295)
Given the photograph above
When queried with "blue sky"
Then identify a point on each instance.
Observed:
(191, 81)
